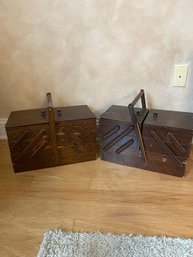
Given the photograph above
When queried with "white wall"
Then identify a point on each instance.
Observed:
(94, 52)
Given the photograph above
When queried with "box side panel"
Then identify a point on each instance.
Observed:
(115, 148)
(30, 147)
(117, 139)
(76, 140)
(177, 140)
(155, 162)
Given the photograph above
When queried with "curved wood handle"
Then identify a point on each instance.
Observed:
(142, 96)
(136, 125)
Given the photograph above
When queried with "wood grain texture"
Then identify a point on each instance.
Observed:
(89, 196)
(164, 138)
(50, 137)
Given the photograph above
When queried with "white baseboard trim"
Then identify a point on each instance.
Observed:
(3, 134)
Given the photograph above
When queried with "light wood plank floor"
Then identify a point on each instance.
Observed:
(89, 196)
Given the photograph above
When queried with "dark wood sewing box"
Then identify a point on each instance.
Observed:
(156, 140)
(40, 138)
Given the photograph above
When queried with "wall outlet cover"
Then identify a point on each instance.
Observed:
(180, 75)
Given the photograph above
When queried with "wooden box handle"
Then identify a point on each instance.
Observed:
(141, 95)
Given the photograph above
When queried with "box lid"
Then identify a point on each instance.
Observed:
(172, 119)
(121, 113)
(27, 117)
(34, 116)
(68, 113)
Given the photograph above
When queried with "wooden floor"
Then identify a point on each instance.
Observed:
(89, 196)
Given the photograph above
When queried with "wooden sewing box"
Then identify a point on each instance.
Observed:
(40, 138)
(156, 140)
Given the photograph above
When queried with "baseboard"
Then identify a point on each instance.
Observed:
(3, 134)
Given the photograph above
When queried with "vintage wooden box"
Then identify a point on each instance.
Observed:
(155, 140)
(41, 138)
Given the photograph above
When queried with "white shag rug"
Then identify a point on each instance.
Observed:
(69, 244)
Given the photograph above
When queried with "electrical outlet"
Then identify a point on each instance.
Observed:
(180, 75)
